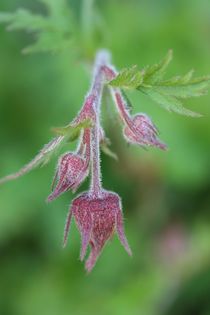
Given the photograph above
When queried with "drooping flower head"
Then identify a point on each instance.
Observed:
(97, 219)
(98, 213)
(142, 131)
(138, 129)
(71, 171)
(73, 168)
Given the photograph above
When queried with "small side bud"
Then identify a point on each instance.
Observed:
(71, 172)
(142, 131)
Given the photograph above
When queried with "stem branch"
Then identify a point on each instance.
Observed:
(96, 90)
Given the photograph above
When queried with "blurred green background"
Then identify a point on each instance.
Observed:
(166, 195)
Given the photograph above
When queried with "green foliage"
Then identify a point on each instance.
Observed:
(167, 93)
(153, 74)
(53, 32)
(72, 132)
(130, 78)
(65, 134)
(41, 158)
(104, 145)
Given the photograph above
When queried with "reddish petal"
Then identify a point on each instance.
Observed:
(67, 226)
(86, 234)
(121, 232)
(79, 180)
(142, 131)
(83, 219)
(63, 186)
(54, 180)
(91, 261)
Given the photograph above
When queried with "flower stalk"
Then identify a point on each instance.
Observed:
(96, 91)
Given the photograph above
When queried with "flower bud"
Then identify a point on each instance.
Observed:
(97, 219)
(142, 131)
(71, 172)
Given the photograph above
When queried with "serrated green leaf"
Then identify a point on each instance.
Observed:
(104, 145)
(72, 132)
(65, 134)
(106, 150)
(49, 42)
(167, 93)
(186, 78)
(40, 159)
(53, 31)
(155, 73)
(183, 91)
(183, 87)
(129, 78)
(55, 6)
(169, 102)
(24, 20)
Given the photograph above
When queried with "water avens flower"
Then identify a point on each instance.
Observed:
(142, 131)
(138, 129)
(97, 212)
(97, 218)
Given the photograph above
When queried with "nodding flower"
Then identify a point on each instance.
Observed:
(97, 219)
(72, 168)
(138, 129)
(97, 212)
(142, 131)
(71, 172)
